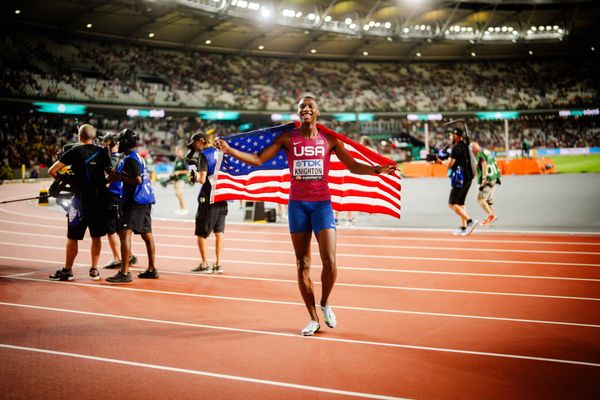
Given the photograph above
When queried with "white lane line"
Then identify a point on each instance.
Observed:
(386, 270)
(317, 337)
(418, 289)
(473, 292)
(2, 209)
(355, 245)
(341, 235)
(201, 373)
(317, 255)
(290, 303)
(17, 275)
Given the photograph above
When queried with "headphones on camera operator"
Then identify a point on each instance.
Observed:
(143, 193)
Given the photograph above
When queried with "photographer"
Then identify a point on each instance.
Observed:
(461, 175)
(115, 206)
(90, 195)
(488, 175)
(138, 197)
(209, 217)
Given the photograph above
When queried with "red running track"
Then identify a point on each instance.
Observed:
(421, 315)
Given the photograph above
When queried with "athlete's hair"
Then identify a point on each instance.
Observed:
(87, 132)
(309, 97)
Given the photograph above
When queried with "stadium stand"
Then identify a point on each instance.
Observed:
(45, 67)
(38, 66)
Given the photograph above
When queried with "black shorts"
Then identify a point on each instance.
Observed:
(113, 214)
(137, 219)
(93, 218)
(210, 218)
(458, 195)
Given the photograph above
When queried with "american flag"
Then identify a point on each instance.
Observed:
(271, 181)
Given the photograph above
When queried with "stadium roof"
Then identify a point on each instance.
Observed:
(329, 29)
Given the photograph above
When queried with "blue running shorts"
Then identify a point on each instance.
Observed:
(304, 216)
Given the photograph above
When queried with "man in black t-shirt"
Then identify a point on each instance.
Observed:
(88, 207)
(460, 160)
(136, 217)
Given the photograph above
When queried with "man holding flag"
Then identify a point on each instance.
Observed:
(308, 149)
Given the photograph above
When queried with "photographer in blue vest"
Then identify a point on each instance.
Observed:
(209, 217)
(87, 209)
(115, 206)
(138, 197)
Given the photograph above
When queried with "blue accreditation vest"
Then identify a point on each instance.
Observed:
(212, 158)
(116, 188)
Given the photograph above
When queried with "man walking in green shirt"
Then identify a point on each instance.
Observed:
(488, 175)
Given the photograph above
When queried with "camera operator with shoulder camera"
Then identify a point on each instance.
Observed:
(138, 197)
(89, 204)
(461, 175)
(115, 206)
(209, 217)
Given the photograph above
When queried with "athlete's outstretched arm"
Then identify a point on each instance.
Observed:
(269, 152)
(356, 167)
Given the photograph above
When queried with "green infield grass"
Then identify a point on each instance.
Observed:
(577, 164)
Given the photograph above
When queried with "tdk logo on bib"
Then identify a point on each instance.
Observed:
(308, 169)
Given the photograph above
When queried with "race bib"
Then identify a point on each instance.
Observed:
(308, 170)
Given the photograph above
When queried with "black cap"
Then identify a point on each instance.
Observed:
(195, 138)
(128, 139)
(457, 132)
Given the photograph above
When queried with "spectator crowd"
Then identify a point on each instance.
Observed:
(36, 66)
(33, 66)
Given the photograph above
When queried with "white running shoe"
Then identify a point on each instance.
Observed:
(459, 232)
(470, 227)
(311, 328)
(329, 316)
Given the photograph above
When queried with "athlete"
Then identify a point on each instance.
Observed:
(309, 209)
